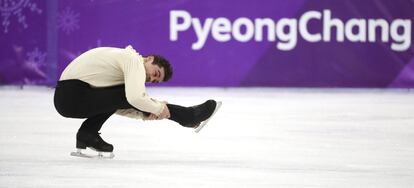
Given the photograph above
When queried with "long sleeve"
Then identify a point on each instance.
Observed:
(134, 76)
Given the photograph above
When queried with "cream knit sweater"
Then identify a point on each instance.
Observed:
(108, 66)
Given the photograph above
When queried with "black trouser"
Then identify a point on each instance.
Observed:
(77, 99)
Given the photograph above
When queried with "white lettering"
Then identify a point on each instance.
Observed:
(372, 26)
(362, 32)
(237, 29)
(221, 29)
(259, 24)
(285, 31)
(328, 23)
(404, 39)
(175, 27)
(303, 26)
(290, 37)
(201, 32)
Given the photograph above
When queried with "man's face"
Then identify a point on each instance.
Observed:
(154, 73)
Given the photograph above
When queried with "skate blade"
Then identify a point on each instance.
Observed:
(198, 129)
(100, 155)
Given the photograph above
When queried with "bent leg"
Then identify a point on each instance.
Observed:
(94, 124)
(76, 99)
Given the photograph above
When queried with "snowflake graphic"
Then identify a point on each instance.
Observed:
(36, 58)
(68, 20)
(10, 8)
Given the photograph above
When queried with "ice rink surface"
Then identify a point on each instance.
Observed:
(259, 138)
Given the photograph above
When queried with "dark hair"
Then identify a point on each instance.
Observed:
(163, 63)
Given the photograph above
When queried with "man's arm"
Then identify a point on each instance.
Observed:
(134, 77)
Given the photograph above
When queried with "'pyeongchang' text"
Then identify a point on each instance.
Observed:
(287, 30)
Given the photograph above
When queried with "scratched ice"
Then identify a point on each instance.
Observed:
(259, 138)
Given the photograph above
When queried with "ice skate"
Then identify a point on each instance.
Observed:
(100, 155)
(205, 112)
(94, 142)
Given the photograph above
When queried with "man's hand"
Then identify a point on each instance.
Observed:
(164, 114)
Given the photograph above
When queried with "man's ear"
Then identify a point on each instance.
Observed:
(150, 59)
